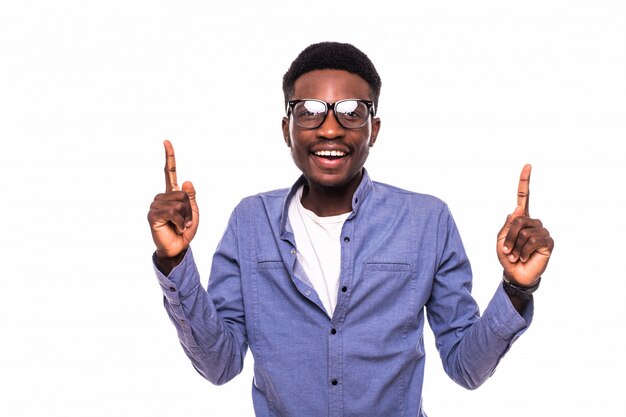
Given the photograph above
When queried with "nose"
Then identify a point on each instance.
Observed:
(330, 129)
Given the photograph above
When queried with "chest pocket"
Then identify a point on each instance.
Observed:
(384, 298)
(270, 265)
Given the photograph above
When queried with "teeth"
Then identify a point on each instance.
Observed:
(330, 153)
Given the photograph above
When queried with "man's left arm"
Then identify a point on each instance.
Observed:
(471, 345)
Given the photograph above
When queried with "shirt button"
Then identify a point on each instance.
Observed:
(346, 239)
(293, 251)
(344, 289)
(334, 382)
(307, 293)
(172, 289)
(333, 331)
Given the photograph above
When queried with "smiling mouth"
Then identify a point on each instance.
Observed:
(330, 154)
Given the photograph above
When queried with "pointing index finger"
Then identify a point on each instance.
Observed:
(171, 183)
(523, 189)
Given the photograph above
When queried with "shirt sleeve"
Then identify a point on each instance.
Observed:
(470, 345)
(210, 327)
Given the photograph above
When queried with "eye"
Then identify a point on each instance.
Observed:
(358, 113)
(351, 109)
(309, 109)
(351, 115)
(305, 113)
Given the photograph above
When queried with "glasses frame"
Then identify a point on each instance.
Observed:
(331, 106)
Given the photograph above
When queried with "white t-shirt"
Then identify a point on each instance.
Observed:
(319, 249)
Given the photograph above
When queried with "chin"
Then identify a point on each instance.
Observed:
(330, 181)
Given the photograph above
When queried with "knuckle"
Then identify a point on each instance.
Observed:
(181, 207)
(516, 222)
(171, 212)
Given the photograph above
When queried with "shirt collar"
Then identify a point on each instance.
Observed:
(361, 193)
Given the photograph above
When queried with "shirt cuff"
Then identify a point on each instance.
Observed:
(505, 321)
(181, 282)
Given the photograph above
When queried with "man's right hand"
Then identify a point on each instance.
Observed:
(173, 216)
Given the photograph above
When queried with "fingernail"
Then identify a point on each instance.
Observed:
(189, 223)
(505, 249)
(511, 258)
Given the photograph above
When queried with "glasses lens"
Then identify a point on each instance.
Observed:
(309, 113)
(352, 113)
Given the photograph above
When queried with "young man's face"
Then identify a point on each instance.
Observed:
(330, 156)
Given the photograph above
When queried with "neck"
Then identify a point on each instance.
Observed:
(330, 201)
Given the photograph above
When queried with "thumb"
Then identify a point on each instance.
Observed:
(519, 211)
(191, 192)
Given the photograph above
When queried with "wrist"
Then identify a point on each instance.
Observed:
(508, 278)
(523, 292)
(165, 264)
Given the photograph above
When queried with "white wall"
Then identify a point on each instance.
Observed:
(471, 92)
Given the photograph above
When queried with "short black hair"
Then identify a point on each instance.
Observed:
(332, 55)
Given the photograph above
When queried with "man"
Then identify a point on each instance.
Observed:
(328, 282)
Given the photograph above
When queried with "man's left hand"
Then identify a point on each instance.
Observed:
(524, 246)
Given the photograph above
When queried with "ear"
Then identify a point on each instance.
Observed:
(375, 129)
(285, 126)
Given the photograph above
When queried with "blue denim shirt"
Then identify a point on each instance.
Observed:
(401, 260)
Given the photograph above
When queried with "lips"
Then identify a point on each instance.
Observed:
(330, 153)
(327, 159)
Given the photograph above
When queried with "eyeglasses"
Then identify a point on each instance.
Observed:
(311, 113)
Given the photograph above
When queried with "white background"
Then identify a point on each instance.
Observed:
(472, 90)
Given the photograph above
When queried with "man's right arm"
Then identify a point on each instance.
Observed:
(216, 345)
